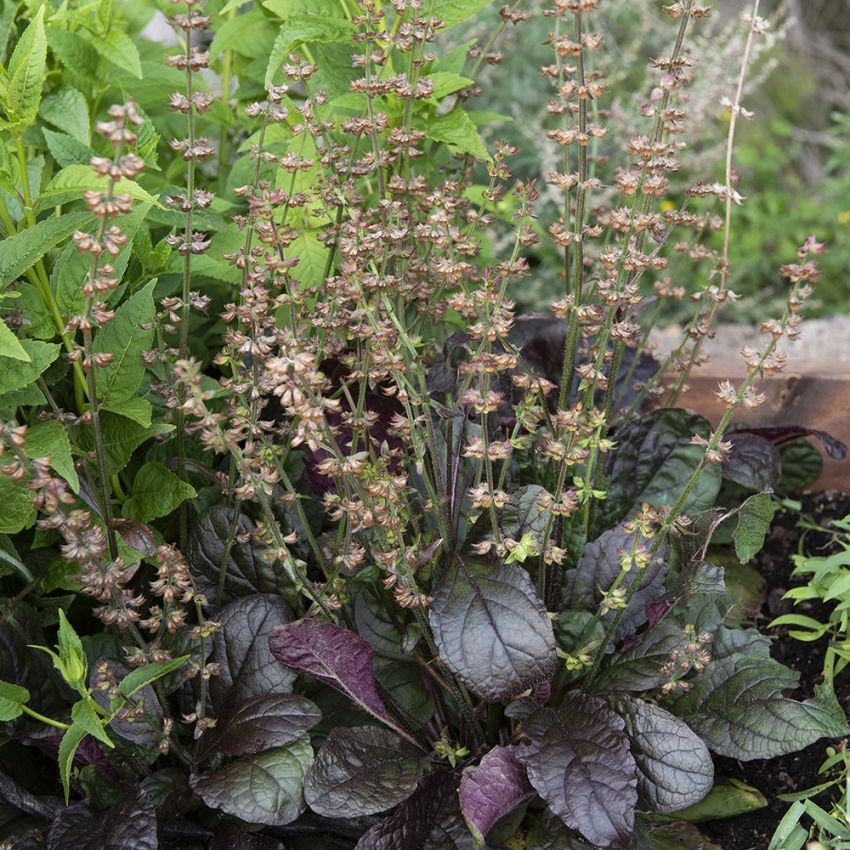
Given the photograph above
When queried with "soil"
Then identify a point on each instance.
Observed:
(798, 771)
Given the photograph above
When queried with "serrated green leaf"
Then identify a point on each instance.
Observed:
(50, 439)
(156, 493)
(27, 72)
(73, 51)
(312, 258)
(233, 4)
(23, 250)
(118, 48)
(65, 149)
(305, 29)
(121, 437)
(446, 83)
(249, 35)
(84, 716)
(71, 740)
(68, 111)
(453, 12)
(73, 180)
(12, 697)
(10, 345)
(457, 130)
(141, 677)
(754, 519)
(129, 334)
(137, 409)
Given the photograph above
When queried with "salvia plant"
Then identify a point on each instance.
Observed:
(337, 543)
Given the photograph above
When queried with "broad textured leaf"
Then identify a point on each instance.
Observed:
(675, 769)
(245, 567)
(129, 334)
(333, 655)
(129, 825)
(727, 798)
(17, 500)
(16, 374)
(241, 646)
(27, 71)
(446, 83)
(157, 491)
(138, 409)
(50, 439)
(652, 462)
(306, 29)
(375, 624)
(492, 629)
(362, 770)
(457, 130)
(579, 762)
(754, 519)
(266, 788)
(27, 247)
(738, 708)
(84, 716)
(599, 567)
(262, 723)
(73, 51)
(429, 819)
(65, 149)
(753, 462)
(73, 180)
(801, 466)
(491, 789)
(143, 676)
(521, 516)
(67, 109)
(121, 437)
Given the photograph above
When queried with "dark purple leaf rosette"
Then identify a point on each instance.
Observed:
(493, 788)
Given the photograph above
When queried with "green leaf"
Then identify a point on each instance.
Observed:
(71, 652)
(73, 180)
(458, 131)
(249, 35)
(118, 48)
(27, 72)
(233, 4)
(156, 493)
(754, 519)
(67, 109)
(129, 334)
(50, 439)
(72, 739)
(305, 29)
(12, 697)
(84, 716)
(312, 258)
(65, 149)
(121, 437)
(10, 345)
(23, 250)
(446, 83)
(16, 374)
(453, 12)
(18, 511)
(728, 797)
(73, 51)
(266, 788)
(143, 676)
(137, 409)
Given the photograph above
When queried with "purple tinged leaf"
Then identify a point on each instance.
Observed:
(492, 629)
(333, 655)
(579, 762)
(498, 785)
(753, 462)
(675, 769)
(362, 770)
(129, 825)
(266, 788)
(429, 819)
(262, 723)
(782, 434)
(241, 647)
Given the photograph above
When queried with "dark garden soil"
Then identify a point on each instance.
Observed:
(796, 772)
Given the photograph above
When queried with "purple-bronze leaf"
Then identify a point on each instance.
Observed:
(333, 655)
(492, 629)
(498, 785)
(579, 762)
(362, 770)
(429, 819)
